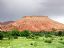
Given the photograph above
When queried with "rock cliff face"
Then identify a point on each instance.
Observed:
(6, 26)
(34, 23)
(37, 23)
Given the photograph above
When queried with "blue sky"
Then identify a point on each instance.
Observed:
(15, 9)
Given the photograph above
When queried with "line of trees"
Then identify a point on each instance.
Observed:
(14, 34)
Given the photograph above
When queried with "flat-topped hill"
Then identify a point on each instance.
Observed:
(35, 23)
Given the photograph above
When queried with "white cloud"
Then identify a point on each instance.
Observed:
(14, 9)
(58, 18)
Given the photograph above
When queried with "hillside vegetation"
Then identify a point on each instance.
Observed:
(28, 39)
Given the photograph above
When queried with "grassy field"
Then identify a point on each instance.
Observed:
(41, 42)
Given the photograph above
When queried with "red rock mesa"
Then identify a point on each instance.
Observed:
(34, 23)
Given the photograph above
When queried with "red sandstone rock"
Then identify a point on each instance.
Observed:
(34, 23)
(37, 23)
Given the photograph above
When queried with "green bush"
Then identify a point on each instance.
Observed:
(15, 37)
(9, 35)
(61, 38)
(25, 33)
(48, 35)
(31, 43)
(62, 42)
(36, 37)
(48, 41)
(15, 33)
(35, 44)
(31, 36)
(60, 33)
(28, 34)
(1, 35)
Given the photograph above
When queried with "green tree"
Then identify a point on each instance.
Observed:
(25, 33)
(15, 33)
(60, 33)
(1, 35)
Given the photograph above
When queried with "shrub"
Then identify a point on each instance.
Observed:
(35, 44)
(36, 37)
(9, 35)
(61, 38)
(31, 43)
(31, 36)
(62, 42)
(1, 35)
(48, 41)
(25, 33)
(60, 33)
(48, 34)
(15, 33)
(15, 37)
